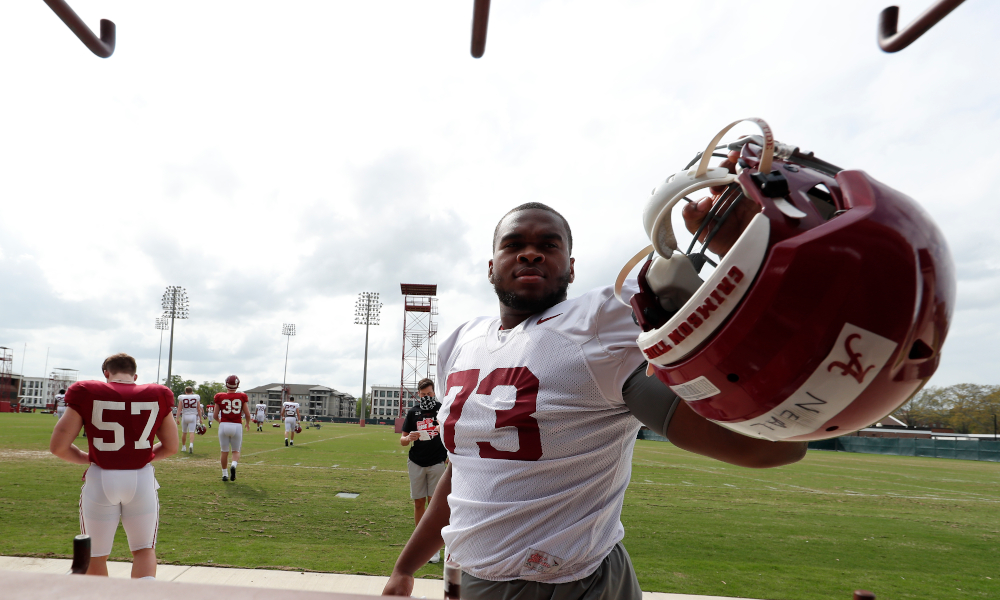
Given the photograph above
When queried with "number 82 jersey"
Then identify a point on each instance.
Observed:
(121, 420)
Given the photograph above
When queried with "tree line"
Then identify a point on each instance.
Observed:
(965, 407)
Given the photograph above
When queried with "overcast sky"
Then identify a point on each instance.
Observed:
(278, 158)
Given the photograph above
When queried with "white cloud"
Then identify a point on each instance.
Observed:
(277, 160)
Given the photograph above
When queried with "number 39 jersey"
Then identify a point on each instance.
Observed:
(230, 406)
(121, 420)
(539, 438)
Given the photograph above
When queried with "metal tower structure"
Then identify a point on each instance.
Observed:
(59, 379)
(7, 391)
(287, 330)
(175, 306)
(367, 311)
(419, 337)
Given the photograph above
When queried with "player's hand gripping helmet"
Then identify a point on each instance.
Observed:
(232, 382)
(298, 428)
(827, 312)
(200, 429)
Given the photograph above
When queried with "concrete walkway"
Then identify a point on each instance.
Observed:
(260, 578)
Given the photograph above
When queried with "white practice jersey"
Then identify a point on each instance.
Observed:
(189, 404)
(539, 438)
(60, 402)
(289, 408)
(261, 410)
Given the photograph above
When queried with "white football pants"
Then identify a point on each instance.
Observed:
(129, 495)
(230, 437)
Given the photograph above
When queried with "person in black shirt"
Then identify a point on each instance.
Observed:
(428, 457)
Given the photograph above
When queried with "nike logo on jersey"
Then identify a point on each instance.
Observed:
(540, 321)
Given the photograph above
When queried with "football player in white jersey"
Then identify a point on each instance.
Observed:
(541, 410)
(260, 415)
(290, 410)
(189, 417)
(60, 403)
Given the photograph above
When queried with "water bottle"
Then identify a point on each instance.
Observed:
(452, 577)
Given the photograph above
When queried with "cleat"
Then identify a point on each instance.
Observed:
(232, 473)
(224, 478)
(286, 441)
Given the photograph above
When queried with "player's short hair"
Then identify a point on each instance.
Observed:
(62, 390)
(188, 389)
(119, 363)
(425, 383)
(536, 206)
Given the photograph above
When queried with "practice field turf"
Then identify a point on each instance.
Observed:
(902, 527)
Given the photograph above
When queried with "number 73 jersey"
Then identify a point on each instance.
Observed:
(540, 439)
(121, 420)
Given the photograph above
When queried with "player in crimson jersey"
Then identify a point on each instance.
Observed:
(189, 417)
(232, 411)
(120, 419)
(540, 415)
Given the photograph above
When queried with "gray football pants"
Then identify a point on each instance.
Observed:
(614, 579)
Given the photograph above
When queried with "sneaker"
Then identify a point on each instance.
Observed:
(286, 441)
(232, 473)
(224, 478)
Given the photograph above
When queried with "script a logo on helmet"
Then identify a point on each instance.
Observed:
(853, 365)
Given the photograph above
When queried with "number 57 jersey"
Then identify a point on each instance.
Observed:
(121, 420)
(540, 439)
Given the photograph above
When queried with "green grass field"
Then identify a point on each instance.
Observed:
(902, 527)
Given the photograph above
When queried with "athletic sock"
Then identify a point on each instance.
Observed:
(148, 577)
(225, 472)
(234, 463)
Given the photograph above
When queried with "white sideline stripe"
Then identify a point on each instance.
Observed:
(302, 444)
(799, 488)
(869, 480)
(807, 491)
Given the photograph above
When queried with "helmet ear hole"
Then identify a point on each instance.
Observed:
(920, 351)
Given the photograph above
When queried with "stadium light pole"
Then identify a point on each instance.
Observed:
(366, 312)
(175, 306)
(161, 324)
(287, 330)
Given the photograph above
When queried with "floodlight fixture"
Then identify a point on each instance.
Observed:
(288, 330)
(175, 306)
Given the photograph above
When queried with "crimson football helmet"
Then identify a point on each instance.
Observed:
(298, 428)
(232, 382)
(827, 313)
(200, 429)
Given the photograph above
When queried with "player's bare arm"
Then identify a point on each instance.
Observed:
(425, 541)
(690, 431)
(61, 443)
(168, 445)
